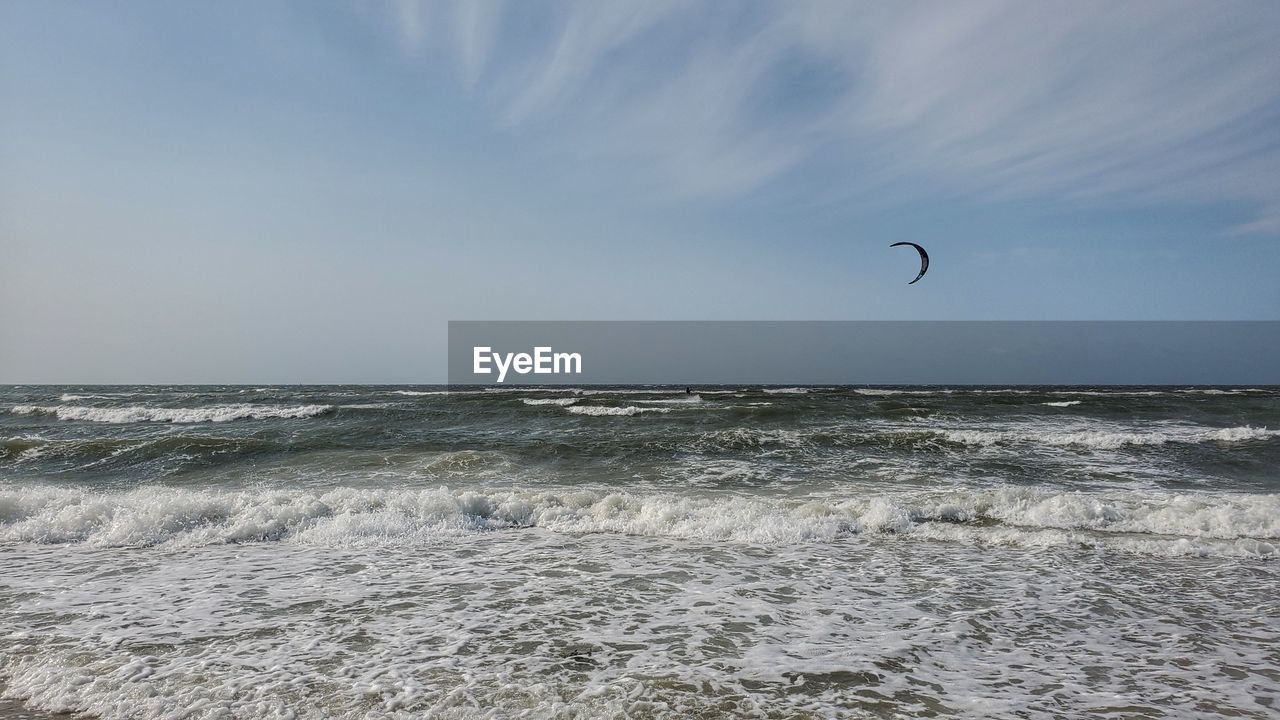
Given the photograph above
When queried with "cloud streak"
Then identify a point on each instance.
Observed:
(1140, 102)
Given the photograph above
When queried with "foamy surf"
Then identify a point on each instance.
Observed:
(919, 434)
(137, 413)
(638, 552)
(1107, 439)
(584, 391)
(605, 410)
(1202, 524)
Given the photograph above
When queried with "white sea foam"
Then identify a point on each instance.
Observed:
(549, 401)
(843, 565)
(625, 391)
(152, 516)
(1108, 439)
(428, 393)
(585, 391)
(525, 389)
(1063, 403)
(1221, 391)
(1110, 393)
(606, 410)
(138, 413)
(1109, 436)
(536, 624)
(788, 391)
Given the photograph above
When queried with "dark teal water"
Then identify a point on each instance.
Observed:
(1221, 438)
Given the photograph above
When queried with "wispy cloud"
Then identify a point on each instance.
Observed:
(590, 31)
(1135, 102)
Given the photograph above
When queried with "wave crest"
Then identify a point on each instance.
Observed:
(1167, 523)
(549, 401)
(1107, 440)
(600, 410)
(132, 414)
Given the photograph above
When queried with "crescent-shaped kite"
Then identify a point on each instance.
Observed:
(924, 259)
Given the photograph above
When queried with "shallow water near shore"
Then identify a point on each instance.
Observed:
(643, 552)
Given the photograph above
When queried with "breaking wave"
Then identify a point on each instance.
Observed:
(132, 414)
(606, 410)
(743, 438)
(1107, 440)
(886, 392)
(1163, 523)
(549, 401)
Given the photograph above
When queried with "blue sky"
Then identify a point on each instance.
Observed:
(307, 192)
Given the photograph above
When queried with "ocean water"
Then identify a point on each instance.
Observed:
(396, 552)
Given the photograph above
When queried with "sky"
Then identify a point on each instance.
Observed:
(278, 191)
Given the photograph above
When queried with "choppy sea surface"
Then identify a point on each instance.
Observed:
(396, 552)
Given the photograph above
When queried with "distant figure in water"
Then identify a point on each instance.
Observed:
(687, 391)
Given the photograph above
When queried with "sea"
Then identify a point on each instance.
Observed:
(639, 552)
